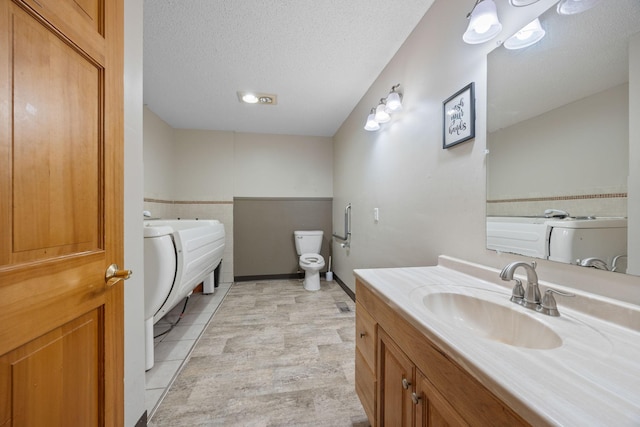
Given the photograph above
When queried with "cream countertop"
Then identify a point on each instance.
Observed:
(592, 379)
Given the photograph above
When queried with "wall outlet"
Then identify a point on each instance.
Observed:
(376, 214)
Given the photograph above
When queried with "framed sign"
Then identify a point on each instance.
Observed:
(459, 117)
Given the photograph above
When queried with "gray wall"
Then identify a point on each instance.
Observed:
(263, 233)
(198, 173)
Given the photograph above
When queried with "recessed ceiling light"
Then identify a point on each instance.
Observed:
(257, 98)
(249, 98)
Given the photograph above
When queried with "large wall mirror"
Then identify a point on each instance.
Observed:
(558, 139)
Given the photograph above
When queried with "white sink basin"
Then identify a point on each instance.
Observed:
(490, 320)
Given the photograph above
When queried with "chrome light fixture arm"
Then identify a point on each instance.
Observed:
(472, 9)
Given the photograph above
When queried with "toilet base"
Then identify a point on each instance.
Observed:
(312, 280)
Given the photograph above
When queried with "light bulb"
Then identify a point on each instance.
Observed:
(483, 23)
(371, 124)
(394, 102)
(250, 98)
(382, 116)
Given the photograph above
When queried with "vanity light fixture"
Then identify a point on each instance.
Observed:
(382, 113)
(483, 23)
(382, 116)
(572, 7)
(257, 98)
(371, 124)
(394, 100)
(522, 3)
(531, 34)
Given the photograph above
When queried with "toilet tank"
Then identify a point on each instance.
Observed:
(308, 242)
(573, 239)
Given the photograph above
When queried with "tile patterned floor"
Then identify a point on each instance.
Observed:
(172, 349)
(272, 355)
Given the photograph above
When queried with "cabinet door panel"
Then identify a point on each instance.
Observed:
(366, 386)
(366, 334)
(432, 409)
(395, 378)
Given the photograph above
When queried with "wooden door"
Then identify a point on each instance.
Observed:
(395, 379)
(61, 145)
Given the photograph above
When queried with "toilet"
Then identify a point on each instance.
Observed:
(308, 245)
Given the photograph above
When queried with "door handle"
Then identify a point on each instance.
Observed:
(113, 274)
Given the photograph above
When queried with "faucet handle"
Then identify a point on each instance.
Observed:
(517, 294)
(548, 305)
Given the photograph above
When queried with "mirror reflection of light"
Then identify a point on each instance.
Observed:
(531, 34)
(521, 3)
(572, 7)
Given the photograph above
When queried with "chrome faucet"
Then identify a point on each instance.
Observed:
(556, 213)
(614, 263)
(593, 262)
(529, 297)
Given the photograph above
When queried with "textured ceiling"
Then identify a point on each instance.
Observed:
(579, 56)
(318, 56)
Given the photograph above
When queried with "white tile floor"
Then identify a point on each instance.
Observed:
(173, 349)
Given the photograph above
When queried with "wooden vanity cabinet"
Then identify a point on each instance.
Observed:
(409, 381)
(406, 396)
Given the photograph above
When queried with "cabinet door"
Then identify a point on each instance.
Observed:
(366, 387)
(431, 408)
(366, 345)
(395, 379)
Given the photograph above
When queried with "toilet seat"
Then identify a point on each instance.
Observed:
(311, 264)
(312, 260)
